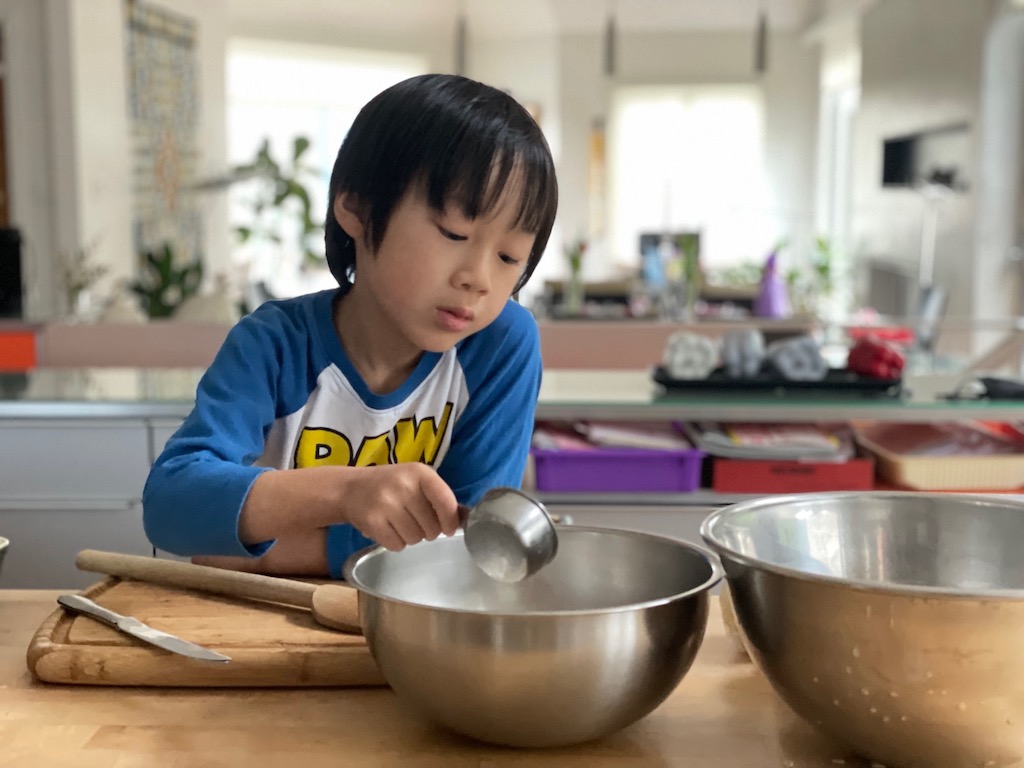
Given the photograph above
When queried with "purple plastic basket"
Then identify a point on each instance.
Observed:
(617, 469)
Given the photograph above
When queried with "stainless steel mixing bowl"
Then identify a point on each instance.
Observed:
(591, 643)
(891, 621)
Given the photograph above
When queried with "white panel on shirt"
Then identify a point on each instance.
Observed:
(335, 426)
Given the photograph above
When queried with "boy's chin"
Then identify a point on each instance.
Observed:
(441, 345)
(442, 342)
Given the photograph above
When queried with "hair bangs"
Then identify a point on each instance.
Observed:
(483, 178)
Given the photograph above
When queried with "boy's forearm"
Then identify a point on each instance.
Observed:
(290, 502)
(296, 555)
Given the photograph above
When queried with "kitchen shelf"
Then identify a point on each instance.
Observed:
(633, 396)
(615, 395)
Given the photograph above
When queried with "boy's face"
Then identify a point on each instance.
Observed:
(437, 277)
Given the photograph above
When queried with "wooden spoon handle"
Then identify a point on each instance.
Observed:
(173, 573)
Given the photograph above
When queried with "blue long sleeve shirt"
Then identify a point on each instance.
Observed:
(281, 393)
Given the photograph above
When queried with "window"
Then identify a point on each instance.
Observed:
(279, 92)
(689, 158)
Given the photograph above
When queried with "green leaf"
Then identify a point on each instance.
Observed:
(299, 191)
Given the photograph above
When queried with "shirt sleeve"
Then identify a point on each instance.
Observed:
(491, 440)
(197, 486)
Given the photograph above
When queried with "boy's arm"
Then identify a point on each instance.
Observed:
(204, 496)
(198, 484)
(491, 441)
(394, 505)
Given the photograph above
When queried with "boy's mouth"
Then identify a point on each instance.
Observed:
(454, 318)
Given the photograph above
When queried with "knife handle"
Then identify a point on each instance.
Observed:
(80, 604)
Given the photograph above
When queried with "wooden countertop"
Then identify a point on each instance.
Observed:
(723, 714)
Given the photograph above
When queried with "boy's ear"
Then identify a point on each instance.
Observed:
(348, 212)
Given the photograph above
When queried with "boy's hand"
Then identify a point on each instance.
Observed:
(401, 504)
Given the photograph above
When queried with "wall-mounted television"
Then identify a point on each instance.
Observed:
(934, 156)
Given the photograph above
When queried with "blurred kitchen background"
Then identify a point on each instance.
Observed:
(169, 158)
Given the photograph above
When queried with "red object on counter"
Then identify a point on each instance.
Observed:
(894, 334)
(876, 358)
(17, 351)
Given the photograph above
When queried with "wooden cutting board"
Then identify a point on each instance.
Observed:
(270, 645)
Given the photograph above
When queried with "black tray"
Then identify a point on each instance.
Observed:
(838, 381)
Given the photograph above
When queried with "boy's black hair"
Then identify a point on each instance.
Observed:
(462, 140)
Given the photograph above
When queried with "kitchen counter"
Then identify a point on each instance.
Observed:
(98, 393)
(104, 393)
(723, 713)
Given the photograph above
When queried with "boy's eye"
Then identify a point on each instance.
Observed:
(450, 235)
(511, 260)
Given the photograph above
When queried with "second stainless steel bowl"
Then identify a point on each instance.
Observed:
(589, 644)
(892, 621)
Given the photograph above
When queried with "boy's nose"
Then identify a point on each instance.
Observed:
(473, 275)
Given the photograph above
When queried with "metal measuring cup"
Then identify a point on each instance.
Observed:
(509, 534)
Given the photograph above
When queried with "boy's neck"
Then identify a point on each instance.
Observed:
(380, 362)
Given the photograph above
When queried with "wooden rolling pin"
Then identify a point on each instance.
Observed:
(332, 605)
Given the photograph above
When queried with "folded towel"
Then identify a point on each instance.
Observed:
(690, 356)
(798, 359)
(743, 353)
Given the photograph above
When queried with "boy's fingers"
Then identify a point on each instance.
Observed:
(426, 519)
(442, 500)
(390, 539)
(405, 523)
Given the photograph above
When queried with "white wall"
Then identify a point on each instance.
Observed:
(68, 134)
(789, 87)
(583, 99)
(96, 134)
(998, 283)
(334, 30)
(527, 67)
(921, 70)
(211, 52)
(28, 141)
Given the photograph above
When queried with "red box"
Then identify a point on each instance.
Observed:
(759, 476)
(17, 350)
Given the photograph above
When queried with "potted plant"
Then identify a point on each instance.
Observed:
(163, 284)
(282, 196)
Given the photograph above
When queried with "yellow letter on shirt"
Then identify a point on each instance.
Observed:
(322, 448)
(374, 451)
(420, 440)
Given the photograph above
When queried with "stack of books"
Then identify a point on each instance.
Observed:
(781, 458)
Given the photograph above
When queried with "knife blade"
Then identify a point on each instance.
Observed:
(136, 628)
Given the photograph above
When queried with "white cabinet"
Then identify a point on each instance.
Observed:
(160, 431)
(674, 521)
(73, 458)
(46, 536)
(67, 485)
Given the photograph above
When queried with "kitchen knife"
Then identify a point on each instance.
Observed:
(136, 628)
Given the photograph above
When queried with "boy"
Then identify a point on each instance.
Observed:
(368, 413)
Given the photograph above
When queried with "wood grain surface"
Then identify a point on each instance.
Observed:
(269, 644)
(722, 715)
